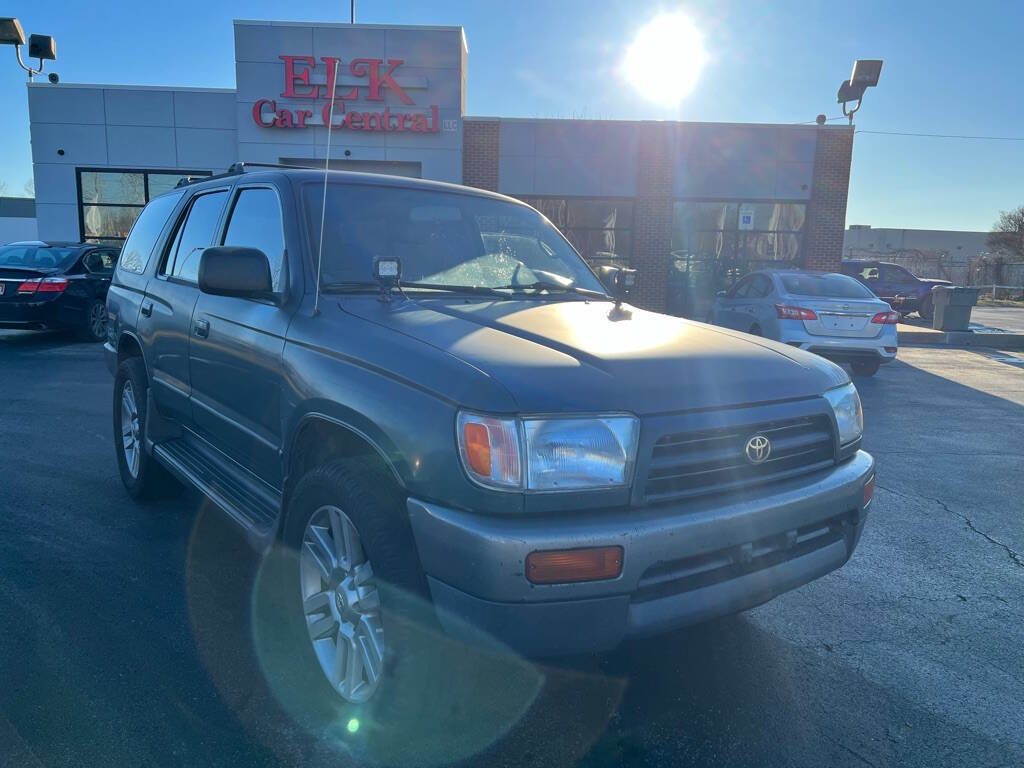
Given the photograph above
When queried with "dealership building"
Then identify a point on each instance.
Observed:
(690, 205)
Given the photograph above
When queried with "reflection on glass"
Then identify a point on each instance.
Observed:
(109, 221)
(163, 182)
(102, 187)
(599, 228)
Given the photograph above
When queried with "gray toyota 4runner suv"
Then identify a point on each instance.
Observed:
(465, 413)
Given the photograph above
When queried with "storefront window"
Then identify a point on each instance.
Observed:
(109, 201)
(601, 229)
(716, 243)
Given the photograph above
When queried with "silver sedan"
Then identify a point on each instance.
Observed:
(830, 314)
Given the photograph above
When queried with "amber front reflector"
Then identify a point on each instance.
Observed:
(478, 448)
(558, 566)
(869, 490)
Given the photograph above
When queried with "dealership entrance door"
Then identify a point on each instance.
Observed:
(413, 170)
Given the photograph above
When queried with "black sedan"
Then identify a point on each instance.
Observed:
(56, 285)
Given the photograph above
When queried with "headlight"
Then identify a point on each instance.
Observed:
(845, 404)
(550, 454)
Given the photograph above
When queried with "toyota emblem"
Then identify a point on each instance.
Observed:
(759, 448)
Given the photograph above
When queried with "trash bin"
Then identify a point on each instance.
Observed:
(953, 307)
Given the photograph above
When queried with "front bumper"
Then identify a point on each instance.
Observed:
(682, 563)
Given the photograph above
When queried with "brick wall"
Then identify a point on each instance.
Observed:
(480, 142)
(826, 214)
(652, 215)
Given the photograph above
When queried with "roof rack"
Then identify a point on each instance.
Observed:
(233, 170)
(241, 166)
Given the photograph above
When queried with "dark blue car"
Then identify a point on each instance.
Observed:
(896, 285)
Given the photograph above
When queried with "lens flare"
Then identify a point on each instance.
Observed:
(665, 59)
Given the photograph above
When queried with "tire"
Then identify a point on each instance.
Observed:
(95, 328)
(755, 330)
(360, 493)
(926, 310)
(865, 367)
(142, 476)
(428, 707)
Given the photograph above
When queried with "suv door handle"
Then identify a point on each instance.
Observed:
(202, 329)
(147, 308)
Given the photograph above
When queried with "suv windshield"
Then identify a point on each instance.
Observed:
(443, 238)
(36, 257)
(825, 286)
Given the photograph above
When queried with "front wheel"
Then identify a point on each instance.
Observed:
(865, 367)
(350, 584)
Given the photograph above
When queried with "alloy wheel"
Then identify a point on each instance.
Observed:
(98, 320)
(341, 604)
(130, 429)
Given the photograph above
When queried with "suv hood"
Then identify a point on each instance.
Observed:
(575, 355)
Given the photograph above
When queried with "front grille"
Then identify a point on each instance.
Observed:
(688, 574)
(706, 461)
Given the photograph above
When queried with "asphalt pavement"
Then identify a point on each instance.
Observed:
(125, 640)
(1007, 318)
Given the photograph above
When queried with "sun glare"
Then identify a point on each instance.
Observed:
(665, 58)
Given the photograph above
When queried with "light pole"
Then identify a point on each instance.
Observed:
(865, 75)
(40, 47)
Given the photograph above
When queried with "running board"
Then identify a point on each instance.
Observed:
(251, 503)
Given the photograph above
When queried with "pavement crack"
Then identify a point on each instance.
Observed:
(1015, 557)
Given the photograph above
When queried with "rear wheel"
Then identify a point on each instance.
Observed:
(755, 330)
(865, 367)
(142, 476)
(95, 328)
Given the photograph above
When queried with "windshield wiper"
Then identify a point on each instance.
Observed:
(547, 285)
(349, 285)
(360, 285)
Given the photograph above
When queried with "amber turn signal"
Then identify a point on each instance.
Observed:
(560, 566)
(869, 490)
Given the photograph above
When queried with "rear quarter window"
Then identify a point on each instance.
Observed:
(145, 232)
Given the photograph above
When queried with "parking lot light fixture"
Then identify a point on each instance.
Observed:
(11, 32)
(40, 47)
(865, 75)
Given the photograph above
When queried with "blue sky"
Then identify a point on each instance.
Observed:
(950, 68)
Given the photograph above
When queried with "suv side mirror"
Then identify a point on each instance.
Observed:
(235, 271)
(722, 294)
(619, 281)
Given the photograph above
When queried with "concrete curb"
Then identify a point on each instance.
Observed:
(962, 339)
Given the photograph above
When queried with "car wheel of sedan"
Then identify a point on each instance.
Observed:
(755, 330)
(95, 328)
(352, 592)
(865, 367)
(142, 476)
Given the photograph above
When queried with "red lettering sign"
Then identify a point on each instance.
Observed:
(297, 85)
(291, 77)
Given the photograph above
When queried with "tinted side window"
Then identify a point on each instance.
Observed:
(760, 287)
(194, 235)
(741, 289)
(895, 274)
(140, 242)
(256, 222)
(99, 262)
